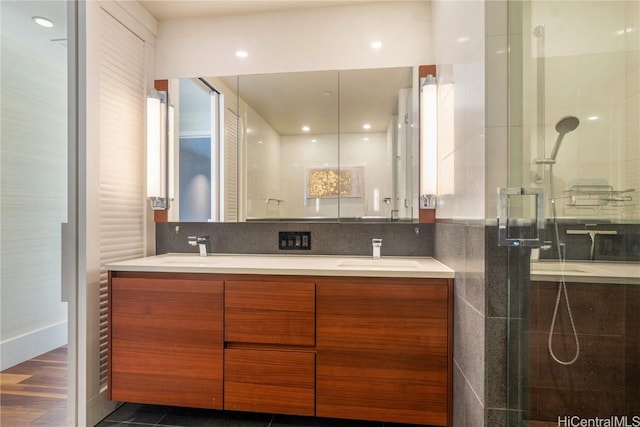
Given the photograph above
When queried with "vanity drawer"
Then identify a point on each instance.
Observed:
(270, 312)
(273, 381)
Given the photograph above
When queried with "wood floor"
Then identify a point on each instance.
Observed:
(35, 392)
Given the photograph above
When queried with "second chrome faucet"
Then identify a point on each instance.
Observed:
(201, 241)
(376, 243)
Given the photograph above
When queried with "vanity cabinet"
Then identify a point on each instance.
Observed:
(270, 346)
(384, 350)
(165, 340)
(377, 349)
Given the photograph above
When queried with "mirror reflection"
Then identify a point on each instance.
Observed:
(323, 145)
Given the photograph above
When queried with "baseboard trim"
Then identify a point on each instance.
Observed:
(17, 350)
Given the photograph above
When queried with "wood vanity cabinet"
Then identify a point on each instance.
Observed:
(384, 350)
(166, 343)
(377, 349)
(270, 341)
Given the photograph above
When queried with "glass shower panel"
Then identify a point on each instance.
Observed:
(574, 351)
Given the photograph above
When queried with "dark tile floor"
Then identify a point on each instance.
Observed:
(131, 415)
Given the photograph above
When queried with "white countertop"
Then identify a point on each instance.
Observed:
(307, 265)
(587, 272)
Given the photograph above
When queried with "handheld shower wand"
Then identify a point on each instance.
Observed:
(564, 126)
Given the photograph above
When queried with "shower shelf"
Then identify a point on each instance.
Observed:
(594, 196)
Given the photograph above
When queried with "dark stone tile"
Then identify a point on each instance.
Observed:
(119, 424)
(450, 244)
(136, 413)
(517, 359)
(621, 247)
(519, 261)
(458, 397)
(450, 249)
(188, 417)
(496, 418)
(327, 238)
(496, 274)
(475, 267)
(473, 409)
(496, 363)
(296, 421)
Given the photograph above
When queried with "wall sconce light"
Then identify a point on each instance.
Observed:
(159, 150)
(428, 142)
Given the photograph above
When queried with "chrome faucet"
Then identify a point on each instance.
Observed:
(376, 243)
(592, 234)
(201, 242)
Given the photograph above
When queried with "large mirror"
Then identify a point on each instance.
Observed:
(322, 145)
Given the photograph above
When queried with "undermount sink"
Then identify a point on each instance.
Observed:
(379, 263)
(195, 260)
(555, 267)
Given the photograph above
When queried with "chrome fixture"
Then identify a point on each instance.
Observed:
(564, 126)
(376, 243)
(592, 234)
(201, 241)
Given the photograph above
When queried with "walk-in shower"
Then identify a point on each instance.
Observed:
(573, 329)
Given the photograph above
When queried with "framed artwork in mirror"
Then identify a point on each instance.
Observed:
(330, 182)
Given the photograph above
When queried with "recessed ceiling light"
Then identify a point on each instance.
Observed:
(592, 118)
(259, 142)
(463, 39)
(43, 22)
(306, 128)
(242, 53)
(365, 139)
(376, 44)
(366, 126)
(314, 140)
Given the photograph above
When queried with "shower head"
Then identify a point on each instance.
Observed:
(564, 126)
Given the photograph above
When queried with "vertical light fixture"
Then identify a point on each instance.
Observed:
(428, 142)
(159, 150)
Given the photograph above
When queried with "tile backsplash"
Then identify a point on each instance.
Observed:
(623, 246)
(398, 239)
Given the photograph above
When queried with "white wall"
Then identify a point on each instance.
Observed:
(591, 55)
(319, 39)
(33, 168)
(460, 59)
(263, 167)
(300, 153)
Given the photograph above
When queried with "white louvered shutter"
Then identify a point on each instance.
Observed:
(122, 198)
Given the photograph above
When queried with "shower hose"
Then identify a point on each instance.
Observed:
(562, 287)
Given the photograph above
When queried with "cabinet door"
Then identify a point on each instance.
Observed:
(270, 312)
(382, 351)
(166, 344)
(274, 381)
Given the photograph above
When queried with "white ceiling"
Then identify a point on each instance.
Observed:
(285, 101)
(167, 9)
(289, 100)
(327, 101)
